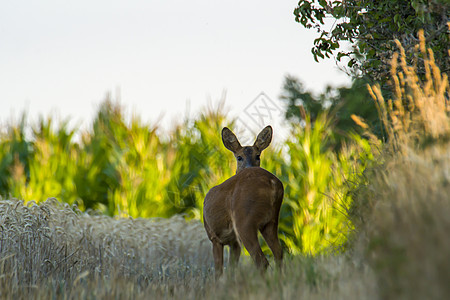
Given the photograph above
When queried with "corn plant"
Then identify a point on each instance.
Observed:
(122, 166)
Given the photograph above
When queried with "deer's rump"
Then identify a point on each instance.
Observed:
(253, 195)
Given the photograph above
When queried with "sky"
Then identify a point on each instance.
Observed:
(161, 58)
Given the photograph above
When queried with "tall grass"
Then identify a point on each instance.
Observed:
(317, 183)
(403, 213)
(419, 112)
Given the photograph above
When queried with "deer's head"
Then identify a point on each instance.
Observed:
(247, 156)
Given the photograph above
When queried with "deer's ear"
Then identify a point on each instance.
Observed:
(230, 141)
(264, 138)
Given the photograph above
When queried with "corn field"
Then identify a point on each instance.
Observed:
(129, 169)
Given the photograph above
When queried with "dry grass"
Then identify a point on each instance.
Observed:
(52, 250)
(403, 214)
(419, 113)
(60, 247)
(406, 235)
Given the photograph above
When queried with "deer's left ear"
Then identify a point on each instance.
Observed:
(264, 138)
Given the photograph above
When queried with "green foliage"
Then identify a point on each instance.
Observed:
(340, 103)
(15, 150)
(45, 166)
(198, 161)
(317, 186)
(140, 172)
(372, 27)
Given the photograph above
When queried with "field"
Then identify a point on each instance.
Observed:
(371, 221)
(53, 251)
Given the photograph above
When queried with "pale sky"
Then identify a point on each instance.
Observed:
(62, 57)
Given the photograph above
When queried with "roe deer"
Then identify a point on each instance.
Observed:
(249, 201)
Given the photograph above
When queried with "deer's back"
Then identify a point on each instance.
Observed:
(252, 193)
(257, 196)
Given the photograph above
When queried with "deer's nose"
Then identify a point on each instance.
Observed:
(250, 163)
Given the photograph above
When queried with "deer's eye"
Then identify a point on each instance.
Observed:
(239, 158)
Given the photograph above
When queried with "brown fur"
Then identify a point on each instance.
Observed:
(249, 201)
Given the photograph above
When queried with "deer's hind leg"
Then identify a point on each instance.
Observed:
(248, 234)
(235, 253)
(218, 257)
(270, 235)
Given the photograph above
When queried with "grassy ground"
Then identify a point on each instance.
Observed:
(54, 251)
(405, 234)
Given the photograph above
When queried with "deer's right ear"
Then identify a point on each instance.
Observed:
(230, 141)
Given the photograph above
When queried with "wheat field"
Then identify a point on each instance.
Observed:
(54, 251)
(58, 247)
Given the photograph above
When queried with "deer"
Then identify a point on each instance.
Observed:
(249, 201)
